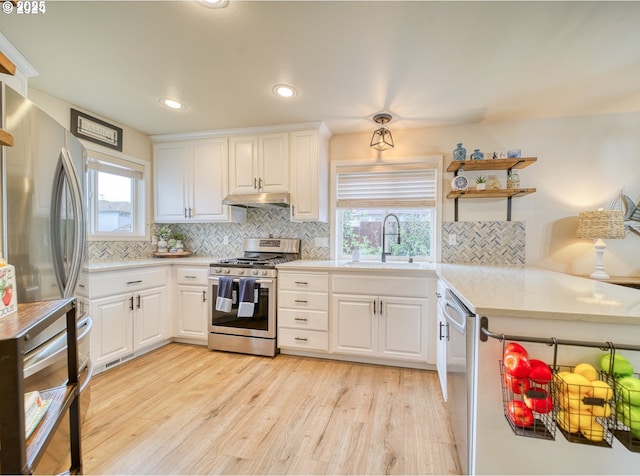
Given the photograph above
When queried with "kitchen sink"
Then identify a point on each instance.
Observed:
(387, 265)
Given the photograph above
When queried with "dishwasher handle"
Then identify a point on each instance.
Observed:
(455, 312)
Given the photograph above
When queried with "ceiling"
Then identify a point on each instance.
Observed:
(427, 63)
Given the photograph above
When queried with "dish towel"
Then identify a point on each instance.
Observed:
(246, 290)
(225, 293)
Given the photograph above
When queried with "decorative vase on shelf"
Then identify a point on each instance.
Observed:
(459, 153)
(513, 180)
(477, 155)
(162, 245)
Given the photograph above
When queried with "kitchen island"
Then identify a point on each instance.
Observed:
(532, 302)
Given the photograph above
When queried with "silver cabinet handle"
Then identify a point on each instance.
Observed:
(134, 282)
(300, 319)
(190, 212)
(131, 303)
(190, 277)
(255, 182)
(138, 302)
(303, 339)
(304, 283)
(185, 212)
(301, 301)
(260, 183)
(204, 296)
(374, 307)
(381, 307)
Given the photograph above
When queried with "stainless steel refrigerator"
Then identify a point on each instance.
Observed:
(43, 236)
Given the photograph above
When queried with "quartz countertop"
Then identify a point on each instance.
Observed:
(416, 268)
(538, 293)
(139, 263)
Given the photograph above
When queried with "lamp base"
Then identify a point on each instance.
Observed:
(599, 272)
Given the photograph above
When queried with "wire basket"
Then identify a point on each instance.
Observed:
(626, 414)
(528, 406)
(584, 411)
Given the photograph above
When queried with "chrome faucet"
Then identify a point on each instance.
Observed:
(395, 233)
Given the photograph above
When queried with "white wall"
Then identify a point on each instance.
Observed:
(583, 162)
(134, 143)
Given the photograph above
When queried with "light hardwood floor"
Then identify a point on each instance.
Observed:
(186, 410)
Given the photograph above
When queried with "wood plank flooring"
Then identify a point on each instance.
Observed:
(183, 409)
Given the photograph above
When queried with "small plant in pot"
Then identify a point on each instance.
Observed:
(164, 232)
(481, 182)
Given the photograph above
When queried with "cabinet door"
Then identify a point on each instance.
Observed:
(243, 164)
(170, 177)
(355, 327)
(192, 312)
(305, 178)
(209, 174)
(273, 163)
(111, 336)
(403, 333)
(149, 319)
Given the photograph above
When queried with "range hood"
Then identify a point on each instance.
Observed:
(258, 200)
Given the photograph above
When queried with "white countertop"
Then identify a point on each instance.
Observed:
(417, 268)
(537, 293)
(138, 263)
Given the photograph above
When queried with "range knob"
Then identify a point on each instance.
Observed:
(264, 272)
(254, 272)
(217, 270)
(241, 271)
(226, 271)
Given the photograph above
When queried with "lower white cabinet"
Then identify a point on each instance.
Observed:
(382, 317)
(303, 311)
(380, 326)
(129, 312)
(192, 304)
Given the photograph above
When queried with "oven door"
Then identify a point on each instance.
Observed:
(261, 324)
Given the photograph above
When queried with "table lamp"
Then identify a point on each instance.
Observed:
(600, 225)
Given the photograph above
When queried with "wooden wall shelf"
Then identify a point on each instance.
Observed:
(502, 193)
(491, 164)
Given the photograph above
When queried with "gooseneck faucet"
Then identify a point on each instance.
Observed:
(395, 232)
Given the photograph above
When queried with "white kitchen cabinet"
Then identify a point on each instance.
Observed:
(129, 314)
(383, 317)
(259, 163)
(303, 311)
(380, 326)
(192, 304)
(309, 159)
(191, 181)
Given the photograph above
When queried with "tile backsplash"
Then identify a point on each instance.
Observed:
(208, 239)
(484, 242)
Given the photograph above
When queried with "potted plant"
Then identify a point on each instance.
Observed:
(481, 182)
(164, 232)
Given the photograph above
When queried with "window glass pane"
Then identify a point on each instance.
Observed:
(363, 228)
(115, 210)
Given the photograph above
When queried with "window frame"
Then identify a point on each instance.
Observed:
(431, 162)
(140, 198)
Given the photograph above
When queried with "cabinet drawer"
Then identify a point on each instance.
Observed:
(116, 282)
(197, 276)
(303, 300)
(378, 285)
(303, 319)
(303, 339)
(303, 281)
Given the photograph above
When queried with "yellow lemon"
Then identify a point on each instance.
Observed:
(601, 390)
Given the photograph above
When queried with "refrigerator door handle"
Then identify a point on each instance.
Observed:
(65, 173)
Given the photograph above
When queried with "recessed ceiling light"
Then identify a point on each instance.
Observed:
(172, 103)
(215, 3)
(285, 91)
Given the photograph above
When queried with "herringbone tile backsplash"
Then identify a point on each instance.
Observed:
(484, 242)
(208, 239)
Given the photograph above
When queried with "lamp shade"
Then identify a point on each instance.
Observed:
(603, 224)
(381, 139)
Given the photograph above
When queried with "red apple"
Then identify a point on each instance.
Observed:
(538, 400)
(515, 347)
(517, 364)
(516, 385)
(540, 372)
(519, 414)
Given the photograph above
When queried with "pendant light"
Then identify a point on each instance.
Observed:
(381, 139)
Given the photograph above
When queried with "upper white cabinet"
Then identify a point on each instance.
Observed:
(259, 163)
(191, 181)
(309, 164)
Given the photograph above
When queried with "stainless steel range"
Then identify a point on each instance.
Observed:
(242, 309)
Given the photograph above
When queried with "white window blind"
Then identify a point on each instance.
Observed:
(368, 187)
(115, 166)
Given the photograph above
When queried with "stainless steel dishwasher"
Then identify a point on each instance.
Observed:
(461, 377)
